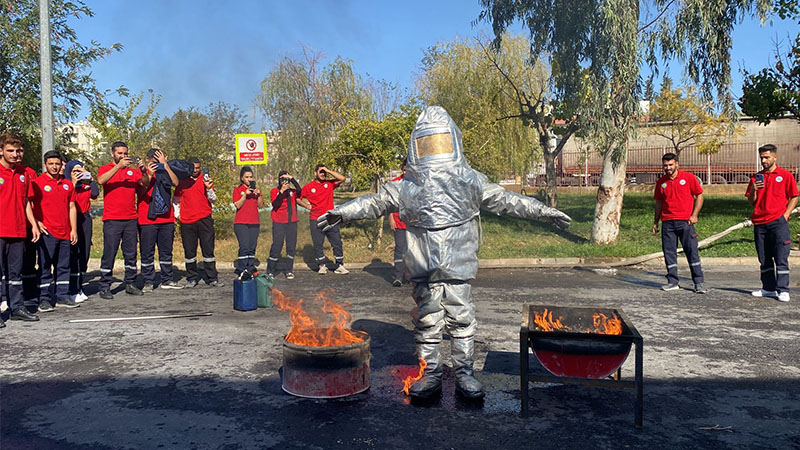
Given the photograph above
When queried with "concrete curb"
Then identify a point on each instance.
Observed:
(515, 263)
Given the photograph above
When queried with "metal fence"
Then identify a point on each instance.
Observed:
(733, 163)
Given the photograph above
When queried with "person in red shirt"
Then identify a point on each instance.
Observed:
(15, 190)
(56, 214)
(30, 285)
(679, 199)
(773, 194)
(284, 221)
(160, 229)
(120, 179)
(319, 193)
(195, 195)
(247, 199)
(400, 244)
(86, 190)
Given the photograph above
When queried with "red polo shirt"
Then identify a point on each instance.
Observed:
(119, 192)
(399, 223)
(145, 196)
(677, 195)
(31, 175)
(248, 213)
(779, 187)
(51, 199)
(15, 189)
(194, 202)
(83, 197)
(320, 195)
(281, 215)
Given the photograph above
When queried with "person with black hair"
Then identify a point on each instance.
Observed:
(195, 196)
(86, 190)
(120, 179)
(247, 199)
(284, 200)
(57, 216)
(319, 193)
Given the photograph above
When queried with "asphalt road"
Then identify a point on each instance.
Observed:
(721, 370)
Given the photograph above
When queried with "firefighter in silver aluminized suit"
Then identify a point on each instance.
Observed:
(440, 200)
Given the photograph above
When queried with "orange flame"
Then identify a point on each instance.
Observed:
(411, 379)
(324, 324)
(546, 323)
(604, 325)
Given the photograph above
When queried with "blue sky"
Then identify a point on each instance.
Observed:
(194, 52)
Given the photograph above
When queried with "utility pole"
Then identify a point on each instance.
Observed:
(46, 77)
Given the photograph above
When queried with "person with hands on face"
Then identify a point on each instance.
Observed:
(86, 190)
(120, 180)
(247, 199)
(56, 213)
(284, 199)
(319, 193)
(15, 193)
(679, 199)
(773, 194)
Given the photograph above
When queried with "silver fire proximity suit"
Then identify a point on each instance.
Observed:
(440, 200)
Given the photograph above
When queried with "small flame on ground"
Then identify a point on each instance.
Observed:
(411, 379)
(324, 324)
(546, 323)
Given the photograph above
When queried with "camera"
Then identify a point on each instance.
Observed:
(136, 160)
(284, 180)
(205, 173)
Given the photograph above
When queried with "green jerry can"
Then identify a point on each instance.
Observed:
(264, 284)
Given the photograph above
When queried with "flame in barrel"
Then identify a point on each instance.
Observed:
(322, 322)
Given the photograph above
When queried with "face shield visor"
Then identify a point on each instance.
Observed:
(435, 144)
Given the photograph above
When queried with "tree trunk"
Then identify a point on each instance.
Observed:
(551, 188)
(608, 209)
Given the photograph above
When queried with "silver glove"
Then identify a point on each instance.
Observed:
(557, 218)
(328, 220)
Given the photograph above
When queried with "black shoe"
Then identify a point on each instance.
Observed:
(106, 294)
(2, 323)
(132, 290)
(24, 315)
(45, 307)
(32, 309)
(468, 387)
(427, 387)
(67, 303)
(397, 283)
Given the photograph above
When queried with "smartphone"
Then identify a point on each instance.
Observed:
(759, 178)
(253, 184)
(205, 173)
(136, 160)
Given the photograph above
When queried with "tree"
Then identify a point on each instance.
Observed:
(775, 91)
(458, 76)
(604, 39)
(20, 106)
(684, 118)
(307, 104)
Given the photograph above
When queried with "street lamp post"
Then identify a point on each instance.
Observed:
(46, 77)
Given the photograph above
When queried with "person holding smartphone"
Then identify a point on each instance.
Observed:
(679, 199)
(247, 199)
(773, 194)
(319, 193)
(85, 191)
(284, 199)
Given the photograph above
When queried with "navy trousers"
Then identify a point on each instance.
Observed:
(318, 238)
(30, 276)
(671, 232)
(282, 232)
(11, 250)
(80, 254)
(54, 256)
(118, 233)
(400, 247)
(773, 243)
(247, 235)
(191, 233)
(162, 235)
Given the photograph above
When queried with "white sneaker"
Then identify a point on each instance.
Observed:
(76, 298)
(783, 297)
(323, 269)
(763, 293)
(341, 270)
(82, 296)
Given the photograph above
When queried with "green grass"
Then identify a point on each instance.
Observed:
(506, 237)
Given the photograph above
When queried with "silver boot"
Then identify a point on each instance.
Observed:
(430, 385)
(466, 384)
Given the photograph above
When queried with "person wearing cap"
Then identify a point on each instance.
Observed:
(56, 214)
(284, 200)
(86, 190)
(679, 199)
(400, 243)
(773, 194)
(319, 193)
(247, 199)
(15, 192)
(120, 179)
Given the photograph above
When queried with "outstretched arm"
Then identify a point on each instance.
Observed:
(501, 201)
(370, 206)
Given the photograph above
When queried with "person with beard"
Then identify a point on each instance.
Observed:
(86, 190)
(440, 200)
(679, 199)
(57, 216)
(773, 195)
(247, 199)
(120, 180)
(284, 200)
(15, 191)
